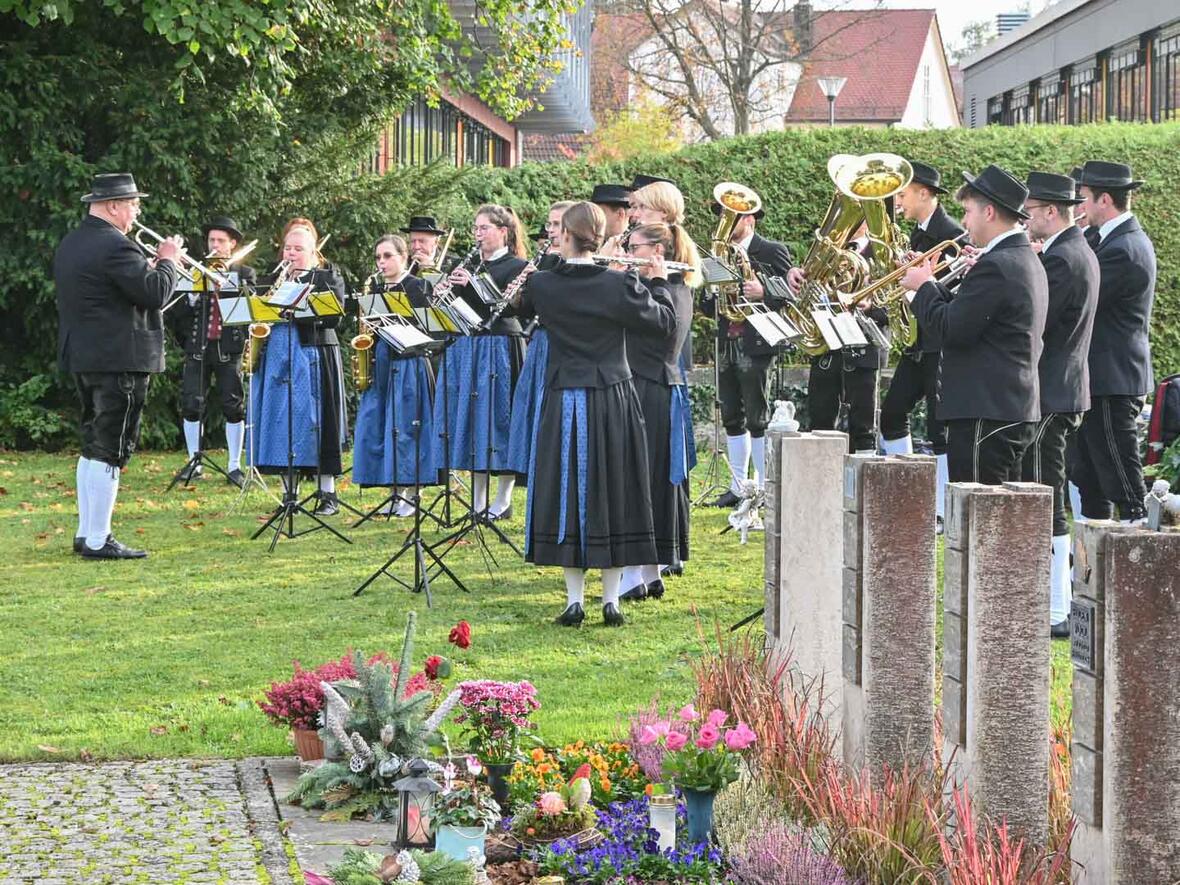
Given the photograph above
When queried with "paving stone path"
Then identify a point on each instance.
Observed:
(173, 821)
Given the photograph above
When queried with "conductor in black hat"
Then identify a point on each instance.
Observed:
(111, 339)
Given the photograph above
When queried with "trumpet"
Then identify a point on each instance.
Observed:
(633, 261)
(181, 259)
(955, 265)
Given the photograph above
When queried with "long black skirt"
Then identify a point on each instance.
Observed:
(669, 503)
(600, 516)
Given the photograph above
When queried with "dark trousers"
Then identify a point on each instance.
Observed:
(986, 451)
(1044, 460)
(743, 388)
(1107, 471)
(225, 370)
(913, 379)
(112, 403)
(832, 384)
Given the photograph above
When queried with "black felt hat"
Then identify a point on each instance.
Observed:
(644, 180)
(1052, 188)
(225, 223)
(1001, 187)
(1108, 176)
(611, 195)
(113, 186)
(422, 224)
(927, 176)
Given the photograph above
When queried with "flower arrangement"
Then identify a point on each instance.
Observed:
(361, 867)
(464, 803)
(494, 715)
(702, 753)
(615, 776)
(558, 813)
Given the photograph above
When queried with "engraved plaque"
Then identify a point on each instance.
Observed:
(1082, 639)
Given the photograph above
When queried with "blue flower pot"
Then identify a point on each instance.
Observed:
(699, 808)
(454, 841)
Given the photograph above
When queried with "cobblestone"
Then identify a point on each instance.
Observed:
(172, 821)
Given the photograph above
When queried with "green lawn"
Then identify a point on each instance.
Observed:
(167, 656)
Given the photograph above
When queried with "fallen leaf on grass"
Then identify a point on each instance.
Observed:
(233, 533)
(26, 506)
(192, 504)
(90, 591)
(182, 727)
(193, 526)
(3, 491)
(222, 699)
(48, 748)
(140, 531)
(216, 839)
(362, 842)
(158, 730)
(204, 683)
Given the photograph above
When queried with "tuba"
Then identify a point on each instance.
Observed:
(735, 201)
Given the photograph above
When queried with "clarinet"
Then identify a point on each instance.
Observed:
(444, 287)
(510, 294)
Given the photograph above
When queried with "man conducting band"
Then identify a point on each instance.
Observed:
(1108, 471)
(743, 368)
(111, 338)
(990, 334)
(213, 351)
(1072, 272)
(916, 375)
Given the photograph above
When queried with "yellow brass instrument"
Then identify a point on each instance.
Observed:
(362, 349)
(955, 264)
(735, 200)
(257, 333)
(181, 260)
(435, 265)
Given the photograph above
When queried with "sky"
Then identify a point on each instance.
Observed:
(953, 15)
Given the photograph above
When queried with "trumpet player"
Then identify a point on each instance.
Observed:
(111, 339)
(213, 352)
(422, 235)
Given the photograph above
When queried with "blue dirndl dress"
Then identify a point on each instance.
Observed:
(384, 447)
(475, 375)
(302, 373)
(526, 402)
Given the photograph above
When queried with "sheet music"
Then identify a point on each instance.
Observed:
(288, 294)
(715, 272)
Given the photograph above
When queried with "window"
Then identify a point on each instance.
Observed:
(1019, 108)
(1126, 84)
(1085, 94)
(1050, 107)
(423, 134)
(1165, 104)
(926, 93)
(973, 113)
(995, 110)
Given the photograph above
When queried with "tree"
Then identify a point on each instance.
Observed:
(645, 127)
(729, 67)
(975, 36)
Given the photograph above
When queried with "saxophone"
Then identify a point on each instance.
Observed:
(362, 347)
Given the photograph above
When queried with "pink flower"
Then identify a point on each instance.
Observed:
(740, 737)
(676, 741)
(717, 717)
(648, 735)
(708, 736)
(473, 765)
(688, 713)
(552, 804)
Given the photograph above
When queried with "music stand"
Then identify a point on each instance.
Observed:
(292, 300)
(715, 273)
(206, 299)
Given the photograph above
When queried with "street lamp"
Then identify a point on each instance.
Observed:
(831, 87)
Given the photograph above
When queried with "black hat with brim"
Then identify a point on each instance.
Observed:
(113, 186)
(927, 176)
(1001, 187)
(645, 180)
(422, 224)
(1105, 176)
(611, 195)
(225, 223)
(1052, 188)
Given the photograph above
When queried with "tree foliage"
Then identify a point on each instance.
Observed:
(645, 127)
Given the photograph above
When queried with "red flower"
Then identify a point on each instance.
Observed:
(461, 635)
(432, 664)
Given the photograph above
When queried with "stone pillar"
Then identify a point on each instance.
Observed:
(1003, 732)
(806, 516)
(1126, 694)
(888, 611)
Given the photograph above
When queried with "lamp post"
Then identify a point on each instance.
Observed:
(831, 87)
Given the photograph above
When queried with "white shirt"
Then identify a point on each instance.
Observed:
(1106, 229)
(745, 244)
(995, 241)
(579, 261)
(1049, 242)
(499, 253)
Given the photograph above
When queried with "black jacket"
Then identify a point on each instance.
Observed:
(589, 311)
(503, 271)
(1072, 270)
(940, 227)
(1120, 355)
(991, 335)
(190, 321)
(322, 330)
(109, 301)
(768, 258)
(655, 355)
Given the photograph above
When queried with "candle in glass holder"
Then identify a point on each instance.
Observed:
(661, 812)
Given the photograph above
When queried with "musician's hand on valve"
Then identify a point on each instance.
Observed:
(795, 277)
(917, 275)
(971, 255)
(169, 248)
(460, 277)
(753, 290)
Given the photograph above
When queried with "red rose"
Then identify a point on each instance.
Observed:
(432, 664)
(461, 635)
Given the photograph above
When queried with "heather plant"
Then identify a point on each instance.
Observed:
(298, 702)
(781, 855)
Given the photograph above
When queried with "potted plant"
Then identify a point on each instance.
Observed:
(494, 715)
(702, 757)
(296, 704)
(463, 812)
(564, 813)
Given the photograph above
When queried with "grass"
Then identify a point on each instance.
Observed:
(168, 656)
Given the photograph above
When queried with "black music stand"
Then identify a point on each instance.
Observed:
(282, 519)
(199, 458)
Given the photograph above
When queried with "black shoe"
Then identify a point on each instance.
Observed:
(505, 514)
(638, 593)
(188, 474)
(1060, 630)
(611, 616)
(728, 500)
(80, 542)
(112, 549)
(236, 477)
(572, 616)
(329, 504)
(672, 571)
(655, 589)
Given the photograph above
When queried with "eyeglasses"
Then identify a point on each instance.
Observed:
(633, 246)
(484, 228)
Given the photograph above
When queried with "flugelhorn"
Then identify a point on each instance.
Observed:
(181, 259)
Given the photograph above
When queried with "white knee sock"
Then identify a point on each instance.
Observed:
(1075, 503)
(192, 437)
(326, 483)
(943, 474)
(504, 486)
(235, 435)
(610, 585)
(902, 446)
(575, 586)
(479, 491)
(81, 479)
(632, 577)
(739, 459)
(758, 457)
(102, 482)
(1059, 589)
(403, 506)
(650, 573)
